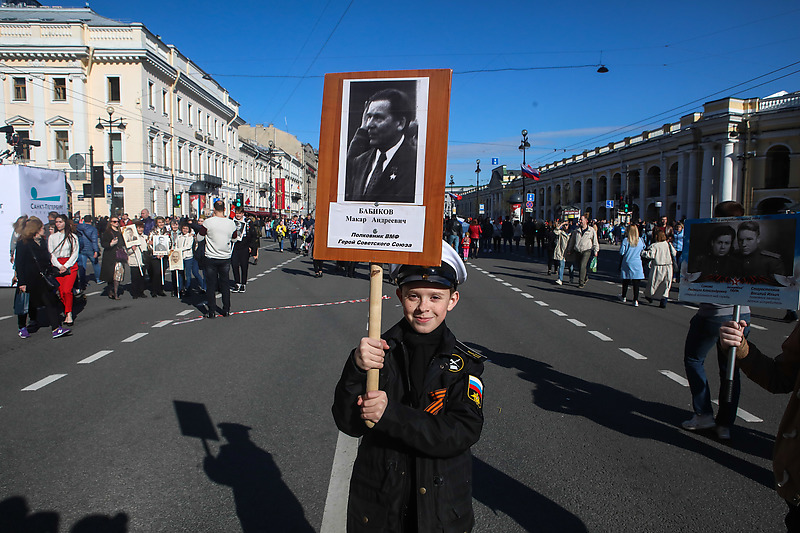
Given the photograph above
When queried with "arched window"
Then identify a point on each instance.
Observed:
(777, 171)
(672, 184)
(654, 181)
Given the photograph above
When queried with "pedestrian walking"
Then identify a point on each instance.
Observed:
(218, 232)
(136, 261)
(584, 245)
(560, 239)
(661, 255)
(427, 415)
(32, 265)
(63, 247)
(630, 264)
(240, 256)
(702, 336)
(112, 268)
(89, 251)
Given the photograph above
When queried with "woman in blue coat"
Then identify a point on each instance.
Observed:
(631, 263)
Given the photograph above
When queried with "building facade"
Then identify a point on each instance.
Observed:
(70, 77)
(294, 180)
(746, 150)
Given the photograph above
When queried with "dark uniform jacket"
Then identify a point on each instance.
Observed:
(420, 446)
(781, 375)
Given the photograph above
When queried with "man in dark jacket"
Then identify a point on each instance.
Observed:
(240, 257)
(413, 472)
(89, 251)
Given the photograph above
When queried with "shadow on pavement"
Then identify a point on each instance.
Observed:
(263, 501)
(622, 412)
(532, 511)
(16, 517)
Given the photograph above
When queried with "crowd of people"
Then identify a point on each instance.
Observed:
(156, 254)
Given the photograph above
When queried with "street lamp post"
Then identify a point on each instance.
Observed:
(271, 189)
(477, 185)
(452, 198)
(524, 145)
(110, 124)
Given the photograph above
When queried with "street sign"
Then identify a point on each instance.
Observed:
(480, 209)
(108, 189)
(609, 204)
(76, 161)
(529, 207)
(530, 197)
(495, 160)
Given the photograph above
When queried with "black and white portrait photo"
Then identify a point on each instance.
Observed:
(160, 245)
(750, 251)
(383, 140)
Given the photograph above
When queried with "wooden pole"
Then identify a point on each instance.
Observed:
(374, 332)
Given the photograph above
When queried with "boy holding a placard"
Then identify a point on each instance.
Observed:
(414, 467)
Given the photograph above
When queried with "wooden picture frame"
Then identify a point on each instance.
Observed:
(395, 216)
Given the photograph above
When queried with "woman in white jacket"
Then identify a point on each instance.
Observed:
(64, 247)
(661, 255)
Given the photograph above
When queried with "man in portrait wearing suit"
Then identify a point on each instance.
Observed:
(386, 171)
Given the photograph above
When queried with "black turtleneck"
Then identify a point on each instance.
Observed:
(421, 348)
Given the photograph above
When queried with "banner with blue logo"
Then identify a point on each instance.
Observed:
(27, 191)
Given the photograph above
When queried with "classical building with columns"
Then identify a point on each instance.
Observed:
(68, 76)
(746, 150)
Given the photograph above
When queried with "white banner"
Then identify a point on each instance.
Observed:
(357, 226)
(26, 191)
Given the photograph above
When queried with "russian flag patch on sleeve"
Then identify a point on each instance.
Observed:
(475, 391)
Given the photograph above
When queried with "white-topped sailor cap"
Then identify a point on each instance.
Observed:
(450, 273)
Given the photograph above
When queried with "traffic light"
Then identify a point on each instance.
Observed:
(239, 200)
(176, 202)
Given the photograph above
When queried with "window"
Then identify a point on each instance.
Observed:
(180, 111)
(164, 101)
(179, 162)
(189, 114)
(20, 89)
(26, 149)
(113, 89)
(216, 129)
(151, 95)
(116, 147)
(166, 154)
(151, 150)
(60, 89)
(777, 168)
(208, 123)
(62, 145)
(200, 120)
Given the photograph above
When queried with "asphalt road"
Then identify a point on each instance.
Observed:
(164, 421)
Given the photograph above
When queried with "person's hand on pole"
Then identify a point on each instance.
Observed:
(731, 335)
(369, 353)
(373, 404)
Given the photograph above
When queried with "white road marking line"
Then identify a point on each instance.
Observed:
(500, 280)
(161, 324)
(334, 517)
(251, 279)
(44, 382)
(506, 284)
(259, 275)
(744, 415)
(632, 353)
(601, 336)
(4, 317)
(491, 275)
(558, 313)
(756, 326)
(134, 338)
(516, 289)
(95, 293)
(675, 377)
(187, 312)
(95, 357)
(609, 282)
(526, 295)
(543, 304)
(576, 322)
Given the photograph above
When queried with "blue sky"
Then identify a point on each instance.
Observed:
(665, 60)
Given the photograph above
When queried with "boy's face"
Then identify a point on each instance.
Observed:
(425, 305)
